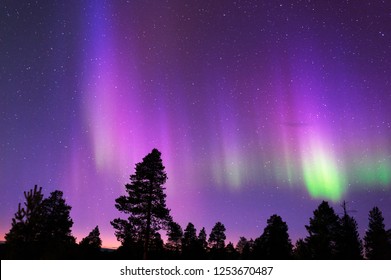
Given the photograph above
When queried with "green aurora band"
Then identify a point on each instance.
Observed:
(322, 175)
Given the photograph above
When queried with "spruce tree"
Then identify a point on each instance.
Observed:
(349, 243)
(377, 242)
(145, 203)
(202, 239)
(190, 243)
(274, 243)
(202, 245)
(323, 232)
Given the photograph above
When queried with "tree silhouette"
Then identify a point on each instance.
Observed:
(217, 236)
(274, 243)
(242, 243)
(245, 248)
(24, 226)
(349, 243)
(190, 243)
(27, 225)
(301, 250)
(156, 248)
(127, 233)
(175, 235)
(230, 252)
(92, 240)
(202, 238)
(145, 203)
(90, 246)
(58, 221)
(376, 240)
(202, 245)
(42, 228)
(323, 233)
(56, 238)
(190, 235)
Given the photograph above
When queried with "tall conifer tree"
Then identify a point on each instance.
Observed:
(274, 243)
(349, 242)
(145, 202)
(377, 242)
(323, 233)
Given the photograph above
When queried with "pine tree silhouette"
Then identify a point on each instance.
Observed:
(26, 226)
(377, 241)
(217, 241)
(202, 237)
(145, 203)
(202, 245)
(42, 229)
(175, 235)
(58, 221)
(274, 243)
(349, 243)
(190, 242)
(323, 233)
(217, 236)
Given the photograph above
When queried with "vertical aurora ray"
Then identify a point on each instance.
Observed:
(108, 134)
(308, 148)
(124, 118)
(104, 99)
(323, 176)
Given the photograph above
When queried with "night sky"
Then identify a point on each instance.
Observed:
(258, 108)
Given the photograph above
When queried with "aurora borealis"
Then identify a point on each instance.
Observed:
(258, 107)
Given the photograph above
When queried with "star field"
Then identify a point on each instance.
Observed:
(258, 107)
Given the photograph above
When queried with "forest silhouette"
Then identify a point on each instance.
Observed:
(41, 229)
